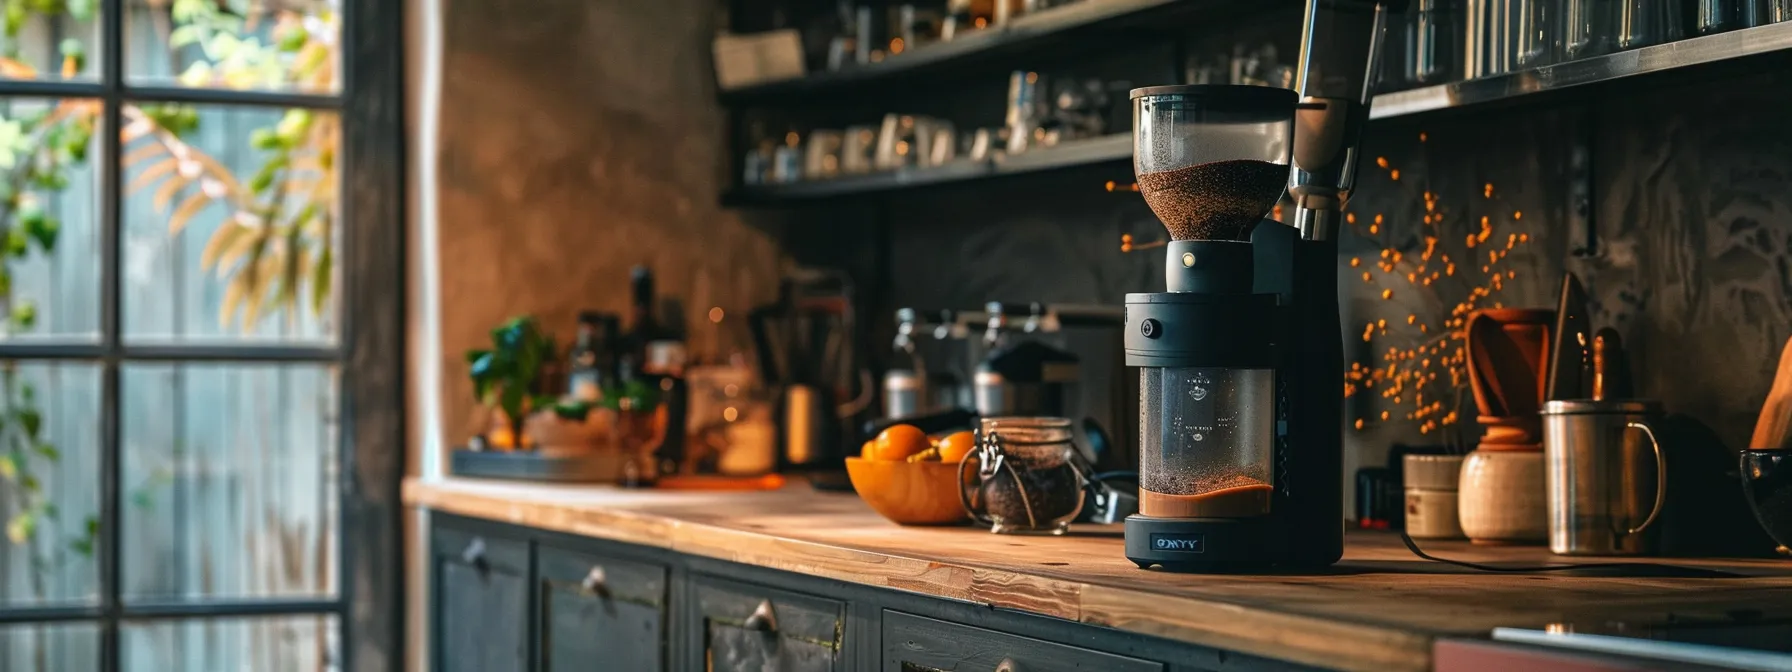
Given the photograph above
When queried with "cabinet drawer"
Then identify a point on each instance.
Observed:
(762, 629)
(600, 613)
(919, 644)
(481, 605)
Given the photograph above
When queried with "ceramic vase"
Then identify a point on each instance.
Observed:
(1502, 498)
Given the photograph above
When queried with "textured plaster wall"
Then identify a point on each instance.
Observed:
(578, 139)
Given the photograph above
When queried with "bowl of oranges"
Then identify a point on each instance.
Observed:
(911, 478)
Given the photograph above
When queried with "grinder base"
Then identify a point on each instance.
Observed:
(1201, 544)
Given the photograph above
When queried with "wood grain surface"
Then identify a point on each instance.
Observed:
(1379, 609)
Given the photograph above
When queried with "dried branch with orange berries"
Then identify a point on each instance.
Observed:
(1424, 380)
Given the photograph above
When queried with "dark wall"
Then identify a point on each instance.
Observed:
(1690, 201)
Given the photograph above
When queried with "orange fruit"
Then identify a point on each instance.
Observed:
(868, 450)
(897, 443)
(955, 446)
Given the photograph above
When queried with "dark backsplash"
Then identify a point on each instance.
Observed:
(1690, 201)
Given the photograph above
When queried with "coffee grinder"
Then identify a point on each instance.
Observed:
(1241, 359)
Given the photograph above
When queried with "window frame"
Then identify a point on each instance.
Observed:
(368, 355)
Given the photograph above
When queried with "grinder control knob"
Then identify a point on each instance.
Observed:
(1151, 328)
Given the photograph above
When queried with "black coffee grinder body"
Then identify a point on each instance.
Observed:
(1239, 407)
(1241, 360)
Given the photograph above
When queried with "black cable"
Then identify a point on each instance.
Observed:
(1414, 547)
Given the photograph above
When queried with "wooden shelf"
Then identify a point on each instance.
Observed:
(1676, 55)
(1682, 55)
(1027, 34)
(1110, 148)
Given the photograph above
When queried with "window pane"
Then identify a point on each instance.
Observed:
(232, 478)
(278, 644)
(62, 647)
(49, 482)
(49, 228)
(50, 40)
(293, 45)
(230, 223)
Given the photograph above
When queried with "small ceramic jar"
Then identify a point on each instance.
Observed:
(1430, 482)
(1501, 498)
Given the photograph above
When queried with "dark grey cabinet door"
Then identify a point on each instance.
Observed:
(600, 614)
(919, 644)
(755, 629)
(481, 609)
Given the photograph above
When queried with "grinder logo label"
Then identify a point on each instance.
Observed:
(1185, 543)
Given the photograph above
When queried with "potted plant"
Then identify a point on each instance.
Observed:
(510, 378)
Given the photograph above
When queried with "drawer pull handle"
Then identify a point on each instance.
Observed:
(762, 619)
(474, 554)
(596, 582)
(1007, 665)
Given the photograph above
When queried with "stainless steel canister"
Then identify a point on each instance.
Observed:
(1606, 475)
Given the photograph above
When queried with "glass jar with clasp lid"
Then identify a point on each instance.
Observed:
(1027, 478)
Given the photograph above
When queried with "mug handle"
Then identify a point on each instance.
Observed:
(1661, 477)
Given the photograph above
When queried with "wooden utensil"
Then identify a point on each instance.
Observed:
(1772, 429)
(1611, 367)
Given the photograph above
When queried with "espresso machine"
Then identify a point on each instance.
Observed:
(1241, 359)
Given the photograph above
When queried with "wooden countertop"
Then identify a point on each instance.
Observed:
(1379, 609)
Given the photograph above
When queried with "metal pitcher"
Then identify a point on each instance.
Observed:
(1605, 485)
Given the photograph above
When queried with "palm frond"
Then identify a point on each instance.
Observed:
(164, 168)
(221, 240)
(185, 212)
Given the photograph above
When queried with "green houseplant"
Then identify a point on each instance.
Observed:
(511, 377)
(506, 376)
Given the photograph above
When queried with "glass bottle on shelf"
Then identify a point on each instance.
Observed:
(1539, 33)
(591, 363)
(659, 352)
(641, 426)
(1589, 28)
(1435, 31)
(905, 383)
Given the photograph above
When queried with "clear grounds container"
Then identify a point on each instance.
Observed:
(1208, 437)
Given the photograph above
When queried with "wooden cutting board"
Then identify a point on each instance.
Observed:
(1771, 431)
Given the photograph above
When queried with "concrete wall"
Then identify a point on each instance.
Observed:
(576, 140)
(1690, 207)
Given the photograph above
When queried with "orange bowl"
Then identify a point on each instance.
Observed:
(908, 493)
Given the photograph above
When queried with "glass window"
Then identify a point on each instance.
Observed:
(280, 644)
(49, 206)
(49, 485)
(171, 459)
(229, 230)
(230, 476)
(63, 647)
(50, 40)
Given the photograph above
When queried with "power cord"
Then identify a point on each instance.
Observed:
(1414, 547)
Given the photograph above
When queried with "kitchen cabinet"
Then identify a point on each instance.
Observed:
(749, 628)
(915, 643)
(481, 601)
(505, 598)
(599, 612)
